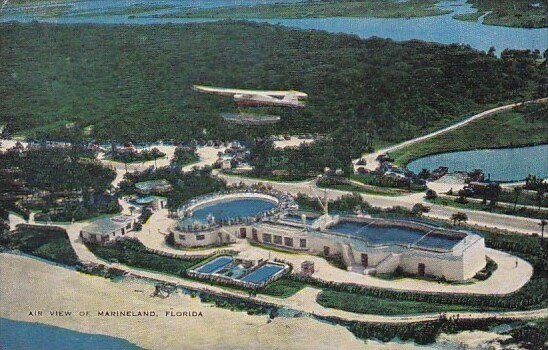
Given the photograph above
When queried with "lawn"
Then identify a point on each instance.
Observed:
(133, 253)
(520, 211)
(366, 304)
(48, 242)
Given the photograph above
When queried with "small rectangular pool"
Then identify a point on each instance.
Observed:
(215, 265)
(263, 273)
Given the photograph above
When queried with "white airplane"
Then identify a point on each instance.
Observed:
(258, 98)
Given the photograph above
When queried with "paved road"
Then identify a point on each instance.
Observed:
(371, 159)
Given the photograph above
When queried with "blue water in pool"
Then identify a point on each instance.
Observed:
(215, 265)
(505, 164)
(238, 208)
(16, 335)
(262, 273)
(392, 235)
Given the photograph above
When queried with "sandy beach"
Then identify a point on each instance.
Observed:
(31, 285)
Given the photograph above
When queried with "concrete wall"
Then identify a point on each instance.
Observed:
(202, 238)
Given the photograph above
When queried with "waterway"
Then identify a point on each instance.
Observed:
(503, 164)
(442, 29)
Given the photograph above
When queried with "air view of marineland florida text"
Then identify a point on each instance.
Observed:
(342, 174)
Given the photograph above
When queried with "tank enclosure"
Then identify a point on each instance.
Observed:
(207, 220)
(245, 273)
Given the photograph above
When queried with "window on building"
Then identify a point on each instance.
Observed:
(278, 240)
(182, 237)
(288, 241)
(303, 243)
(200, 237)
(267, 238)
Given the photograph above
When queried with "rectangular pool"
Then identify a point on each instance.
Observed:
(263, 273)
(378, 235)
(215, 265)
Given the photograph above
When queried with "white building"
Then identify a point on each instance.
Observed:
(105, 230)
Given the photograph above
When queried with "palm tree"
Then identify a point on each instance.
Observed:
(542, 224)
(517, 193)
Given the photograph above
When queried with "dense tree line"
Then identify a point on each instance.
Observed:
(184, 185)
(136, 84)
(64, 183)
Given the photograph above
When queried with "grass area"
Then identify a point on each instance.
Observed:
(520, 211)
(320, 9)
(350, 187)
(269, 177)
(469, 17)
(282, 288)
(133, 253)
(511, 13)
(48, 242)
(524, 198)
(136, 85)
(366, 304)
(132, 10)
(523, 126)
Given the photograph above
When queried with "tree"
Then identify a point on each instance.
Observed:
(517, 192)
(459, 218)
(431, 194)
(419, 208)
(542, 224)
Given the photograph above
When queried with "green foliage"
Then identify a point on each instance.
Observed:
(136, 85)
(367, 304)
(282, 288)
(318, 9)
(420, 332)
(48, 242)
(533, 335)
(305, 161)
(510, 13)
(185, 185)
(133, 253)
(523, 126)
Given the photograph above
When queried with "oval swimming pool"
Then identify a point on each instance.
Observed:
(230, 208)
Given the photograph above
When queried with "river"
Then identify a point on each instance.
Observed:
(443, 29)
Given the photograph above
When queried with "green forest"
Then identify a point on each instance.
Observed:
(133, 83)
(510, 13)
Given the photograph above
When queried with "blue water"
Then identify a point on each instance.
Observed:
(17, 335)
(238, 208)
(505, 164)
(378, 235)
(215, 265)
(442, 29)
(262, 273)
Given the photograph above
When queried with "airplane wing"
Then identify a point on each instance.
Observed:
(232, 92)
